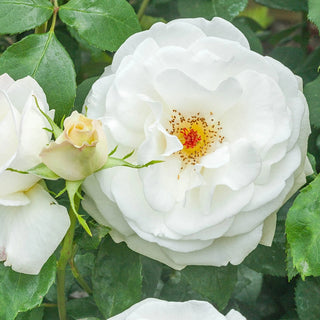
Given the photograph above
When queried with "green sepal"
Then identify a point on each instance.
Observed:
(113, 151)
(72, 188)
(116, 162)
(55, 129)
(40, 170)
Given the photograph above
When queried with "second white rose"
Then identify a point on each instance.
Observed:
(231, 127)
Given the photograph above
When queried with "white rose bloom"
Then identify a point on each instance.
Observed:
(231, 127)
(32, 224)
(155, 309)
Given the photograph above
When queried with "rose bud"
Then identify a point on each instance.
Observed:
(79, 151)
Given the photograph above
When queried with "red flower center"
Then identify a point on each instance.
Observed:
(191, 137)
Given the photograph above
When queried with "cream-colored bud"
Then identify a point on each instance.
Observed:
(79, 151)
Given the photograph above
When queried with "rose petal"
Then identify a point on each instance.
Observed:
(188, 310)
(29, 234)
(8, 132)
(244, 166)
(184, 94)
(219, 28)
(5, 82)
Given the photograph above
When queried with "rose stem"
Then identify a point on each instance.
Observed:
(142, 9)
(77, 274)
(42, 28)
(65, 256)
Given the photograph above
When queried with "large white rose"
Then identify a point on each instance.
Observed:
(155, 309)
(231, 127)
(32, 224)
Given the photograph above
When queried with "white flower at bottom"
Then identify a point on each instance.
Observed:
(154, 309)
(231, 127)
(32, 224)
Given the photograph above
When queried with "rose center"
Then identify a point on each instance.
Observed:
(191, 137)
(199, 135)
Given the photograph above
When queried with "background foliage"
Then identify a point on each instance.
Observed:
(65, 50)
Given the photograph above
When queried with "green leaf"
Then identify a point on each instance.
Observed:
(309, 69)
(272, 260)
(105, 24)
(214, 283)
(291, 315)
(20, 292)
(302, 228)
(292, 5)
(116, 278)
(42, 57)
(312, 94)
(34, 314)
(83, 309)
(248, 286)
(151, 273)
(82, 92)
(307, 299)
(71, 45)
(21, 15)
(227, 9)
(87, 242)
(147, 21)
(254, 41)
(313, 14)
(176, 287)
(292, 271)
(290, 56)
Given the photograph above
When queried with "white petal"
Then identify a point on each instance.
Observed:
(206, 213)
(128, 47)
(189, 62)
(223, 250)
(219, 28)
(8, 132)
(247, 220)
(216, 159)
(236, 58)
(14, 199)
(178, 34)
(242, 169)
(99, 205)
(154, 308)
(136, 210)
(286, 79)
(5, 82)
(31, 233)
(234, 315)
(32, 136)
(96, 99)
(12, 182)
(269, 228)
(184, 94)
(261, 115)
(20, 91)
(280, 172)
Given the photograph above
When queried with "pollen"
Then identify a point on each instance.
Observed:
(199, 135)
